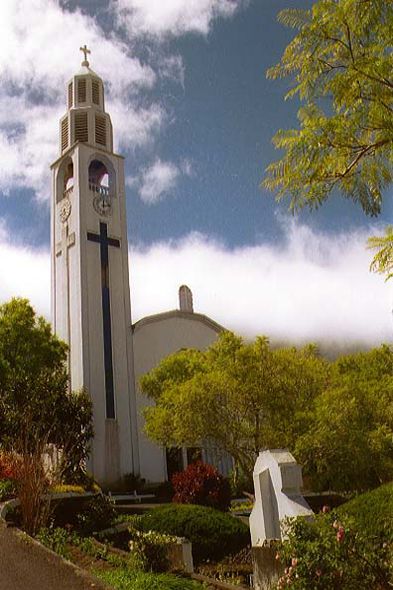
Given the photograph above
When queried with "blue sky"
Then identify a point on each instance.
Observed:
(193, 114)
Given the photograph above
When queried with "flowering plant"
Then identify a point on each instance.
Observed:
(149, 551)
(329, 553)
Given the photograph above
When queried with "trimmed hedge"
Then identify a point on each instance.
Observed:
(372, 512)
(213, 534)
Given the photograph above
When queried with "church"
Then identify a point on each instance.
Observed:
(91, 308)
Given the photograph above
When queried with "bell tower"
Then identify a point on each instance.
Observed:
(90, 278)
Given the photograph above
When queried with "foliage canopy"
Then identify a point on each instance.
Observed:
(341, 62)
(234, 396)
(335, 417)
(35, 404)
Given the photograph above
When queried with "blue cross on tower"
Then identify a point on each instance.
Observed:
(104, 241)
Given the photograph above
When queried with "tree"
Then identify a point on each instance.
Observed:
(349, 443)
(35, 404)
(342, 62)
(236, 397)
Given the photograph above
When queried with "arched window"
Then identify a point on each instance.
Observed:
(101, 177)
(65, 179)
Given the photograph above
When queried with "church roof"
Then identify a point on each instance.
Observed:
(86, 70)
(178, 313)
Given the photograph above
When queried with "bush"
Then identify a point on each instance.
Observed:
(372, 511)
(149, 551)
(241, 482)
(56, 539)
(7, 489)
(212, 533)
(201, 484)
(97, 514)
(330, 553)
(7, 466)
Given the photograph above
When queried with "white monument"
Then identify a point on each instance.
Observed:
(90, 280)
(277, 482)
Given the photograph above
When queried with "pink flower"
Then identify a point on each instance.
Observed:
(319, 573)
(337, 575)
(295, 561)
(325, 509)
(336, 524)
(340, 534)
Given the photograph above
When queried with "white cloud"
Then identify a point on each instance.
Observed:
(24, 273)
(314, 288)
(158, 180)
(39, 52)
(156, 18)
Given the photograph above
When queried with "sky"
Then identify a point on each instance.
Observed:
(193, 114)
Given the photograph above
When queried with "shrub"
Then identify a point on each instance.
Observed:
(7, 489)
(31, 483)
(56, 539)
(372, 511)
(201, 484)
(212, 533)
(132, 482)
(96, 514)
(241, 482)
(329, 553)
(149, 551)
(7, 467)
(66, 488)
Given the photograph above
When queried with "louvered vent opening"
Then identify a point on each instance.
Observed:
(100, 130)
(81, 127)
(95, 89)
(82, 90)
(70, 101)
(64, 134)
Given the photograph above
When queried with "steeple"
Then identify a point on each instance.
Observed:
(86, 119)
(90, 278)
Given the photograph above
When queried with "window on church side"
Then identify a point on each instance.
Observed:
(70, 99)
(95, 91)
(64, 134)
(82, 90)
(81, 133)
(100, 130)
(69, 177)
(65, 179)
(98, 177)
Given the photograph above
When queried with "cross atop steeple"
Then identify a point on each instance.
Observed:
(85, 52)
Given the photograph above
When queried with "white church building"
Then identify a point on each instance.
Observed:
(91, 308)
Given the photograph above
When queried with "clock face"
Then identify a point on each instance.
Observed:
(65, 210)
(103, 205)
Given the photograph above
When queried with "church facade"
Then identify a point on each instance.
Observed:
(91, 294)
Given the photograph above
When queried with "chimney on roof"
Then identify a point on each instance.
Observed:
(185, 299)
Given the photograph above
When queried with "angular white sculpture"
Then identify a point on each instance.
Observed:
(277, 483)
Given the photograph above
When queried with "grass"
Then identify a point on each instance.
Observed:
(372, 511)
(123, 579)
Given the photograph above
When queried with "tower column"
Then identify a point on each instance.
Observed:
(90, 277)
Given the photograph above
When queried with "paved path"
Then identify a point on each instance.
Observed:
(25, 565)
